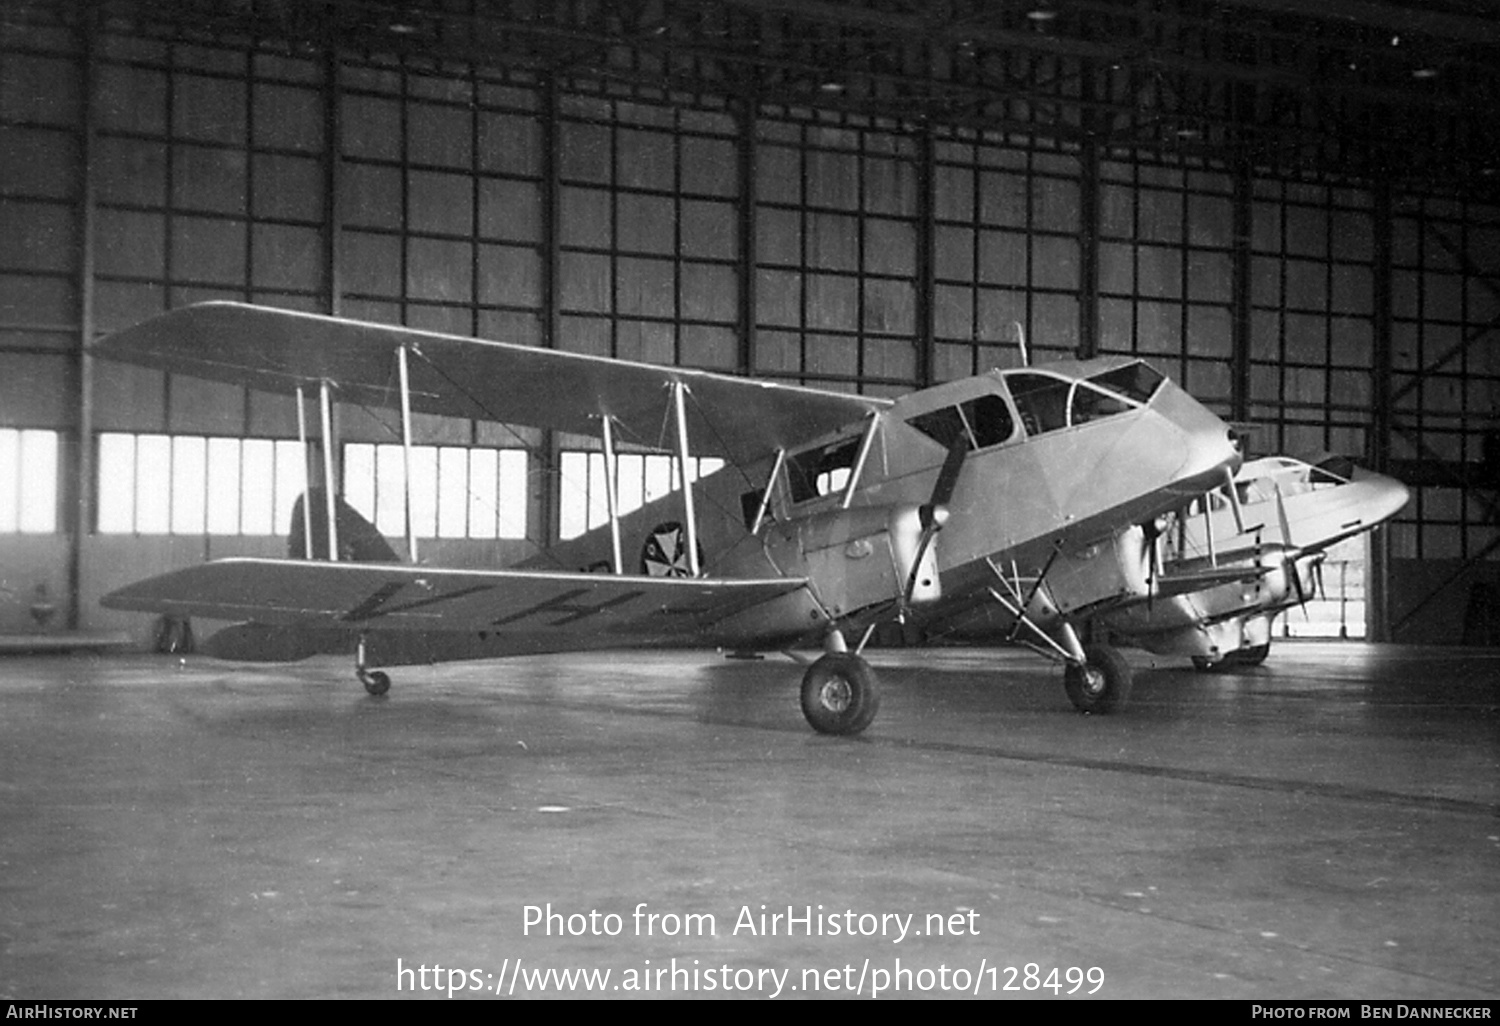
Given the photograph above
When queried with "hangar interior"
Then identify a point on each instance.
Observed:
(1291, 208)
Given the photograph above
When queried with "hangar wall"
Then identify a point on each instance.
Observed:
(846, 251)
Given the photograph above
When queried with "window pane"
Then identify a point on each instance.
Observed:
(359, 478)
(38, 514)
(153, 484)
(598, 496)
(189, 484)
(513, 492)
(572, 516)
(484, 493)
(10, 475)
(631, 471)
(660, 476)
(390, 491)
(424, 489)
(257, 486)
(291, 480)
(453, 488)
(223, 486)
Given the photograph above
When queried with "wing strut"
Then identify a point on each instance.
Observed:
(765, 500)
(307, 541)
(679, 391)
(859, 461)
(1234, 500)
(612, 492)
(325, 402)
(411, 526)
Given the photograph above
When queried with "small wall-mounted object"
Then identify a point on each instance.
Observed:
(43, 609)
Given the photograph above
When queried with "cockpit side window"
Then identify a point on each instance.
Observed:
(1091, 404)
(1340, 468)
(990, 420)
(1137, 380)
(1041, 400)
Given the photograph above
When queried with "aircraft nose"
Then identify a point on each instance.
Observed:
(1382, 496)
(1209, 444)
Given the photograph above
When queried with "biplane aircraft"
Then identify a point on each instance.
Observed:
(1278, 522)
(833, 513)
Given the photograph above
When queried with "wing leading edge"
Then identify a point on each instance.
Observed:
(276, 350)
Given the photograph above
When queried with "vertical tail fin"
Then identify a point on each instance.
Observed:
(359, 541)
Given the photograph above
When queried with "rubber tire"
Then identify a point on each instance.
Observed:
(839, 694)
(1203, 664)
(1110, 688)
(376, 683)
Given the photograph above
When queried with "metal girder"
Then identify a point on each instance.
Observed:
(1330, 91)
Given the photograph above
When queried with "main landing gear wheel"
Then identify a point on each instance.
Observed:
(1102, 684)
(839, 694)
(376, 683)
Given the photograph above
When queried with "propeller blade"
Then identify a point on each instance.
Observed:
(934, 512)
(947, 479)
(1291, 569)
(1286, 525)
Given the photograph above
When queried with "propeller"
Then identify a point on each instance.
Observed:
(933, 513)
(1289, 562)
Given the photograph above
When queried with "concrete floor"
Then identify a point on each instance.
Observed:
(1323, 826)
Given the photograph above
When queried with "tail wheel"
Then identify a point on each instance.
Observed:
(376, 683)
(839, 694)
(1102, 684)
(665, 552)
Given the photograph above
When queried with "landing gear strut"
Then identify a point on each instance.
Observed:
(376, 682)
(839, 694)
(1101, 683)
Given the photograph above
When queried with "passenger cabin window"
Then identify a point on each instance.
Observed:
(822, 471)
(980, 422)
(944, 426)
(990, 420)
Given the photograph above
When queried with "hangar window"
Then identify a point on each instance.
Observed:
(456, 491)
(28, 481)
(191, 484)
(641, 478)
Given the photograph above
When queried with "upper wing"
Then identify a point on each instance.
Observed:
(280, 350)
(370, 596)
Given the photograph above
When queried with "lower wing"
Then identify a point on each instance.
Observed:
(362, 597)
